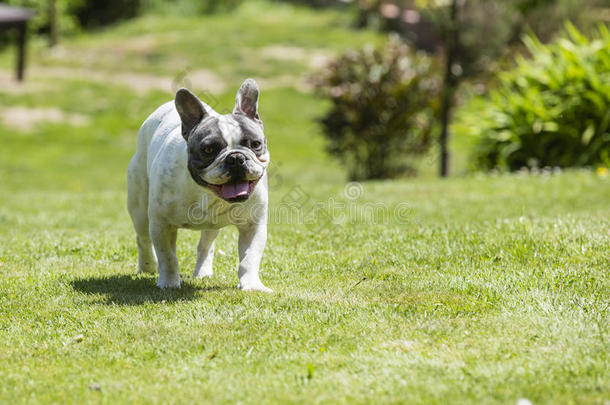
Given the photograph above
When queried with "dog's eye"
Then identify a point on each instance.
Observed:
(208, 149)
(256, 144)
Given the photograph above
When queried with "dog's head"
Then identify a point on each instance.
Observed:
(226, 153)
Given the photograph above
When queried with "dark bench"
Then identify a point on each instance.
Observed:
(16, 18)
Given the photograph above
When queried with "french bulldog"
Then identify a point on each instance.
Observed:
(197, 169)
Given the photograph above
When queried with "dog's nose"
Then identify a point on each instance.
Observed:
(236, 159)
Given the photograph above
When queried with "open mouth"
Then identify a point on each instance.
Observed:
(234, 191)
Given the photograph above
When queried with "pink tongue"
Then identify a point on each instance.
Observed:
(234, 190)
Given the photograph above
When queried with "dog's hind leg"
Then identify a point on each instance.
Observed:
(137, 205)
(205, 254)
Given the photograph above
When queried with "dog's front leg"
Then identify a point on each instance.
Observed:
(164, 240)
(252, 239)
(205, 254)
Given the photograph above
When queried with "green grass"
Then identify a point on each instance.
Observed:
(475, 289)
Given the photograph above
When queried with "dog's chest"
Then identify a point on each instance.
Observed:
(206, 213)
(192, 208)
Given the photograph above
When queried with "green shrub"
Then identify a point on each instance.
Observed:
(97, 13)
(552, 109)
(93, 13)
(384, 105)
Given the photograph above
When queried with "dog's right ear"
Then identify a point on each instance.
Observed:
(191, 110)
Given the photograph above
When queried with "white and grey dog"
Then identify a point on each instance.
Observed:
(193, 167)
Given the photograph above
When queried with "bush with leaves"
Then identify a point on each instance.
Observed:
(384, 106)
(552, 109)
(98, 13)
(92, 13)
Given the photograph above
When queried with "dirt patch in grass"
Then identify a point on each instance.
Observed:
(283, 52)
(203, 79)
(136, 81)
(142, 46)
(25, 119)
(315, 58)
(9, 84)
(300, 83)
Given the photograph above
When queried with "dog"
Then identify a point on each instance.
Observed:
(197, 169)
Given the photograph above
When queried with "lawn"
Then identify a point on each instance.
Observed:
(475, 289)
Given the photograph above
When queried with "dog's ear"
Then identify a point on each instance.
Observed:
(246, 101)
(191, 110)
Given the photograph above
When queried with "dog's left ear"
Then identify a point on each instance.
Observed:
(246, 101)
(191, 110)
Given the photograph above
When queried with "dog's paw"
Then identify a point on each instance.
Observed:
(254, 287)
(169, 283)
(148, 268)
(201, 273)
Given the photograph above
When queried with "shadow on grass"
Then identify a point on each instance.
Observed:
(125, 289)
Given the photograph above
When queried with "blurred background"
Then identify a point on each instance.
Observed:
(351, 90)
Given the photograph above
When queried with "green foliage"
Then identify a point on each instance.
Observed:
(67, 21)
(93, 13)
(96, 13)
(72, 15)
(384, 104)
(553, 109)
(486, 29)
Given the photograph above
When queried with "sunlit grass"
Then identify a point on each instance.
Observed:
(477, 289)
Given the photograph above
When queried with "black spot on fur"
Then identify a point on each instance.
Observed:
(252, 132)
(204, 144)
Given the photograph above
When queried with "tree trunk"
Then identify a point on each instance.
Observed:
(52, 23)
(449, 86)
(22, 32)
